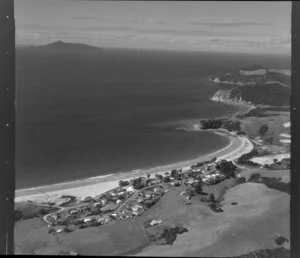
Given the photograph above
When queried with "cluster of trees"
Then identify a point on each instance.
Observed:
(263, 130)
(245, 158)
(211, 123)
(229, 125)
(272, 94)
(29, 211)
(123, 183)
(227, 168)
(170, 234)
(279, 252)
(271, 182)
(280, 240)
(138, 183)
(176, 174)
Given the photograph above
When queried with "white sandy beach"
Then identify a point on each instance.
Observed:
(238, 146)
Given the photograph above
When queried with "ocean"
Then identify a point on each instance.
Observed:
(87, 114)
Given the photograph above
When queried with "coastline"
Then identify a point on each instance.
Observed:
(237, 146)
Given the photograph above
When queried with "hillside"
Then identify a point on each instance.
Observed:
(255, 85)
(63, 46)
(254, 75)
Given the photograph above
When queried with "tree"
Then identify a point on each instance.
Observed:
(263, 130)
(174, 173)
(212, 198)
(51, 230)
(158, 176)
(148, 176)
(227, 168)
(123, 183)
(167, 179)
(198, 188)
(254, 177)
(241, 180)
(137, 183)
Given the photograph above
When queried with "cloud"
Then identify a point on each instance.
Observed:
(228, 24)
(91, 18)
(170, 32)
(149, 21)
(255, 43)
(108, 28)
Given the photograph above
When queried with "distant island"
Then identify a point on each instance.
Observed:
(64, 46)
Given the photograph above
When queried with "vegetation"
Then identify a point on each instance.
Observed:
(29, 211)
(123, 183)
(271, 182)
(245, 158)
(227, 168)
(279, 252)
(198, 188)
(272, 94)
(229, 125)
(137, 183)
(170, 234)
(241, 180)
(280, 240)
(263, 130)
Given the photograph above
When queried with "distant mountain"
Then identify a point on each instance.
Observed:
(63, 46)
(254, 75)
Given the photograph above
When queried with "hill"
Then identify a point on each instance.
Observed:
(255, 74)
(63, 46)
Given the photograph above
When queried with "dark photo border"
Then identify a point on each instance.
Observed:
(7, 128)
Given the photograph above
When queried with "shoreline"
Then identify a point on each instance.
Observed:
(92, 186)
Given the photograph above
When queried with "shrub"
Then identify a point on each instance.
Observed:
(254, 177)
(281, 240)
(241, 180)
(51, 230)
(263, 130)
(227, 168)
(212, 198)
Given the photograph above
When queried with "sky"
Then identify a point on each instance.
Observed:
(252, 27)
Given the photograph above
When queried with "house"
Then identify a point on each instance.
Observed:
(59, 230)
(130, 189)
(114, 215)
(113, 194)
(103, 201)
(136, 207)
(156, 189)
(148, 195)
(87, 220)
(120, 193)
(136, 213)
(97, 204)
(155, 222)
(140, 200)
(118, 201)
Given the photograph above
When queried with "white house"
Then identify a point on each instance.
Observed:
(155, 222)
(59, 230)
(87, 220)
(130, 189)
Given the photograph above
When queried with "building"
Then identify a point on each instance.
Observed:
(130, 189)
(155, 222)
(136, 208)
(87, 220)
